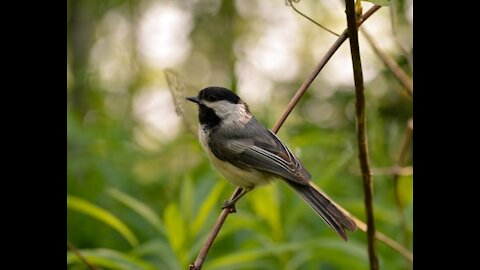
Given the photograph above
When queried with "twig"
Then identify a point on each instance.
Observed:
(400, 75)
(213, 234)
(396, 38)
(303, 88)
(407, 139)
(396, 170)
(378, 235)
(401, 171)
(361, 131)
(312, 20)
(71, 247)
(223, 215)
(385, 239)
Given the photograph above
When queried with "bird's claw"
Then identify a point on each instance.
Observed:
(231, 205)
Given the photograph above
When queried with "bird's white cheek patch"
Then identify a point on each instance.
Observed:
(228, 112)
(222, 108)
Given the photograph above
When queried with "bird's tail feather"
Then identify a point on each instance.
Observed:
(325, 208)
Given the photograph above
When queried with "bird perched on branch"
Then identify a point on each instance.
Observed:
(248, 155)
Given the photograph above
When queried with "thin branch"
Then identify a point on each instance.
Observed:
(213, 234)
(400, 75)
(310, 19)
(361, 131)
(396, 38)
(395, 170)
(386, 240)
(303, 88)
(71, 247)
(407, 140)
(223, 215)
(378, 235)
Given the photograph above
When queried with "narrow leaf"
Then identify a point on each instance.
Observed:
(110, 259)
(176, 230)
(87, 208)
(210, 202)
(139, 207)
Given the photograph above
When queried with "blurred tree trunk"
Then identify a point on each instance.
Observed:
(79, 42)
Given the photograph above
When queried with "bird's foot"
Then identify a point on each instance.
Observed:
(231, 205)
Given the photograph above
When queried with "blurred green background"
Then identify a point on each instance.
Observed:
(141, 194)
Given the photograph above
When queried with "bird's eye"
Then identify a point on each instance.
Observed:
(213, 98)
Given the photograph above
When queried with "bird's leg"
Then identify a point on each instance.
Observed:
(239, 194)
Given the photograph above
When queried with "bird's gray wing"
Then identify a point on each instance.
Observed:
(253, 146)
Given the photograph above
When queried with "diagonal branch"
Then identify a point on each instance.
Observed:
(408, 255)
(386, 240)
(218, 225)
(303, 88)
(82, 258)
(407, 140)
(400, 75)
(361, 131)
(197, 265)
(393, 23)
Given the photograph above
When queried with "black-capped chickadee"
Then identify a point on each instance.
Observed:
(248, 155)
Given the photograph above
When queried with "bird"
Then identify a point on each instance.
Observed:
(248, 155)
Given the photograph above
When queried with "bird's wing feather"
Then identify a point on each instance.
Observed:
(253, 146)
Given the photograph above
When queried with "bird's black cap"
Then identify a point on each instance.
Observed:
(217, 93)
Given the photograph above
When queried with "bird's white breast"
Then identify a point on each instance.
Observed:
(233, 174)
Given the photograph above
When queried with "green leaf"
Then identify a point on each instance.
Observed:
(351, 255)
(379, 2)
(110, 259)
(355, 251)
(85, 207)
(176, 230)
(139, 207)
(187, 197)
(225, 262)
(405, 188)
(210, 202)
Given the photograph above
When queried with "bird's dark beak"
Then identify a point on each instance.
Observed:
(194, 99)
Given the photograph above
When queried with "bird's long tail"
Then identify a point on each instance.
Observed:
(325, 208)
